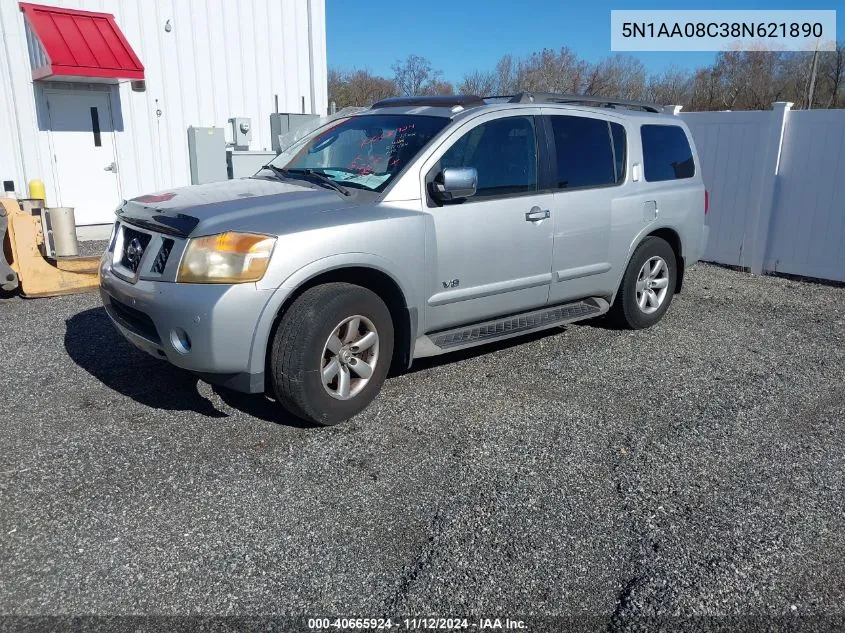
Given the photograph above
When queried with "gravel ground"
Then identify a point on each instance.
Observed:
(90, 248)
(693, 469)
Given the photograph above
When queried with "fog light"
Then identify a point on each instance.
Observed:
(180, 340)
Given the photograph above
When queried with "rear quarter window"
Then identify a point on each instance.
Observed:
(620, 151)
(666, 153)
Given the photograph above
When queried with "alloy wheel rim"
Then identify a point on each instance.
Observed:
(349, 357)
(652, 284)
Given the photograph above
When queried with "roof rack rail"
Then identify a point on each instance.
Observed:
(552, 97)
(438, 101)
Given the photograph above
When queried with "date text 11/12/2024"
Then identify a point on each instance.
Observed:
(416, 624)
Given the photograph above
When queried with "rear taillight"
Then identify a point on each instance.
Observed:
(706, 202)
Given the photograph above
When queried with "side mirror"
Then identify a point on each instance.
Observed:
(454, 183)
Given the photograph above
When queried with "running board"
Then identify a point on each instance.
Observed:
(502, 328)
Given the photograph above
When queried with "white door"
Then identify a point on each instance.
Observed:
(84, 162)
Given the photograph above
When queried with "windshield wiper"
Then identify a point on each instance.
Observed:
(276, 170)
(319, 178)
(310, 175)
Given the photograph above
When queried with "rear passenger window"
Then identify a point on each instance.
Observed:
(666, 153)
(587, 154)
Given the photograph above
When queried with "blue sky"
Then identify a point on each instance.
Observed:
(459, 36)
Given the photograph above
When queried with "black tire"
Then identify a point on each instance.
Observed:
(626, 312)
(298, 345)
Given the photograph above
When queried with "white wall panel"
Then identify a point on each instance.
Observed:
(221, 58)
(807, 236)
(802, 231)
(729, 147)
(21, 99)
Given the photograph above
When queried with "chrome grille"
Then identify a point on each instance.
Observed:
(134, 245)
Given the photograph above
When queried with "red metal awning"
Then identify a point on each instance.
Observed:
(66, 44)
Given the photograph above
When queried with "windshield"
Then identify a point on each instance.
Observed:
(362, 152)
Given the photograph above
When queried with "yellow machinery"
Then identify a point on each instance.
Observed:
(23, 263)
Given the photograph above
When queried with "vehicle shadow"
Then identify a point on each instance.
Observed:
(93, 343)
(603, 322)
(262, 407)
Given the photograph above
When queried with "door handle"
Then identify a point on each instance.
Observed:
(112, 167)
(536, 214)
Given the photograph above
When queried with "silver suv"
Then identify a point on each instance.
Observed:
(418, 227)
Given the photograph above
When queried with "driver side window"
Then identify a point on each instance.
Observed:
(503, 151)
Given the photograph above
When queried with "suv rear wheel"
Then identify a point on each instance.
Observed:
(331, 352)
(648, 285)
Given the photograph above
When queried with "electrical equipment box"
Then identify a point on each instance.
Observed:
(284, 122)
(241, 132)
(244, 164)
(207, 154)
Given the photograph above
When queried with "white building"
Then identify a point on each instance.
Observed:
(97, 95)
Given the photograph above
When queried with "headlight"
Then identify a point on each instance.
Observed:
(227, 258)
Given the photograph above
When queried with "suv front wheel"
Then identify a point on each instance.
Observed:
(648, 285)
(331, 352)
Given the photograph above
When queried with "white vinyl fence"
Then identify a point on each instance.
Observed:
(777, 188)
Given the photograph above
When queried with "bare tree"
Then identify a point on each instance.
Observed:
(364, 88)
(506, 76)
(794, 73)
(737, 80)
(620, 76)
(438, 87)
(413, 74)
(705, 91)
(831, 89)
(550, 71)
(358, 88)
(672, 86)
(764, 82)
(479, 83)
(335, 83)
(753, 80)
(729, 79)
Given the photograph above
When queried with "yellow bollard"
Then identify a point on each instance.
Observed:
(36, 190)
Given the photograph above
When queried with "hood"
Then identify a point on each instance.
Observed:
(233, 203)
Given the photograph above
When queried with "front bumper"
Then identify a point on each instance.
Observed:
(218, 321)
